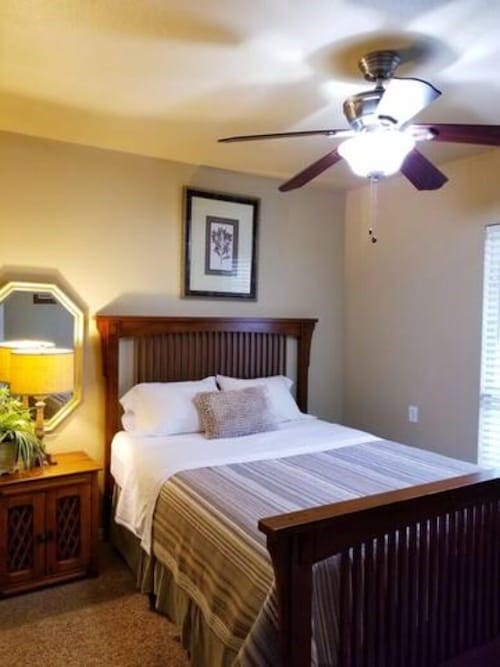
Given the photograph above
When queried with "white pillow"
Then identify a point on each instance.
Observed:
(164, 408)
(281, 401)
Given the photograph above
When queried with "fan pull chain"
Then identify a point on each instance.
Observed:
(372, 231)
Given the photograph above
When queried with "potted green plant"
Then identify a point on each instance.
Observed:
(18, 441)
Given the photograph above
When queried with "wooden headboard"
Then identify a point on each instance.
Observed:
(190, 348)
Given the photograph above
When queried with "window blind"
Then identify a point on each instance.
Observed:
(489, 415)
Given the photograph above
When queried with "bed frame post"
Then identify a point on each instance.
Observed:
(303, 356)
(109, 332)
(292, 562)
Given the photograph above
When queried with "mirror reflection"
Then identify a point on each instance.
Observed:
(41, 333)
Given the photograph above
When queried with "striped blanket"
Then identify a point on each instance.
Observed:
(205, 533)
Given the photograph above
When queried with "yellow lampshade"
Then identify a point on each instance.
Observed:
(41, 372)
(6, 348)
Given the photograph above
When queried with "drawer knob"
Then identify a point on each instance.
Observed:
(44, 537)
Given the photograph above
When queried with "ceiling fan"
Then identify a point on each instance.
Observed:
(381, 141)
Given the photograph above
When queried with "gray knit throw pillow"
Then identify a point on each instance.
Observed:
(228, 414)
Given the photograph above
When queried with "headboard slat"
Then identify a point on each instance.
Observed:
(176, 357)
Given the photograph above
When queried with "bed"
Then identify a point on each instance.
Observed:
(412, 569)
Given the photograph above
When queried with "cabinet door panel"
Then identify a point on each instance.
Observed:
(22, 538)
(68, 517)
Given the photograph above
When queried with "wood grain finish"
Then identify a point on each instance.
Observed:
(49, 524)
(200, 354)
(419, 571)
(168, 349)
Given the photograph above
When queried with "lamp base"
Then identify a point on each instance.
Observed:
(50, 460)
(39, 424)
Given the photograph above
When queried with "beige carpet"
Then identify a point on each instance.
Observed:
(101, 621)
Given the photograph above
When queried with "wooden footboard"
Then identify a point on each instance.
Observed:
(420, 572)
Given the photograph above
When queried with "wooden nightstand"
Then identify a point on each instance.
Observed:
(49, 523)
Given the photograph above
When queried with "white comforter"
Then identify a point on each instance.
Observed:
(141, 464)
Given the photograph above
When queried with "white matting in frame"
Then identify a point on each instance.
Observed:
(220, 245)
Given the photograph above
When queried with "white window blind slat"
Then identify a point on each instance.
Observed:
(489, 411)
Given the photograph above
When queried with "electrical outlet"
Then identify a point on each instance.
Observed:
(413, 414)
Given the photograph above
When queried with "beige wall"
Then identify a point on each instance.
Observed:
(413, 307)
(109, 224)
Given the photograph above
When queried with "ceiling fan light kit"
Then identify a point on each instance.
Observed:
(382, 140)
(376, 153)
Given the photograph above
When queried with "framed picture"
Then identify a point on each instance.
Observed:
(220, 245)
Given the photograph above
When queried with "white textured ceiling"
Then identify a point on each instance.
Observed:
(166, 78)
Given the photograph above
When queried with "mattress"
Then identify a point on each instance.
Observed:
(141, 464)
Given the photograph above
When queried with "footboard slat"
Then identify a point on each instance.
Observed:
(433, 589)
(345, 609)
(423, 594)
(382, 590)
(461, 565)
(443, 586)
(392, 600)
(488, 573)
(369, 605)
(402, 628)
(477, 620)
(413, 591)
(495, 579)
(357, 608)
(452, 624)
(419, 572)
(472, 565)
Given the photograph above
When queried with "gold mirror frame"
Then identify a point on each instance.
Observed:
(78, 328)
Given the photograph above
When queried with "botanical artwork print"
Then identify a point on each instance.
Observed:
(220, 242)
(221, 249)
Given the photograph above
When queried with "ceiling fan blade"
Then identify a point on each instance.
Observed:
(486, 135)
(404, 98)
(288, 135)
(310, 172)
(421, 172)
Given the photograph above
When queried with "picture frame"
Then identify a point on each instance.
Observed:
(220, 244)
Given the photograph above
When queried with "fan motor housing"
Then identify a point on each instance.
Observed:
(379, 65)
(361, 109)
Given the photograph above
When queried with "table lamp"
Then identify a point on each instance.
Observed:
(6, 348)
(40, 372)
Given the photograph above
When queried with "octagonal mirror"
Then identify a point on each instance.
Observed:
(42, 315)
